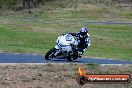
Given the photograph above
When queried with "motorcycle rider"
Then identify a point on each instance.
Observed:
(83, 38)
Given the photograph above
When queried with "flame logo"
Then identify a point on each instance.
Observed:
(83, 77)
(81, 71)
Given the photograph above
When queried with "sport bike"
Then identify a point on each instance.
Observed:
(66, 48)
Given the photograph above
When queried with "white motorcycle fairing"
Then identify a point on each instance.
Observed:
(66, 48)
(64, 42)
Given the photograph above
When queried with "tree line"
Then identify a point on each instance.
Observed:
(32, 3)
(9, 4)
(13, 4)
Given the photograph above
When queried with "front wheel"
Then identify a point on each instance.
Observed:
(50, 54)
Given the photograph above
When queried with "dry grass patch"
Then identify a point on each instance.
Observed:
(55, 75)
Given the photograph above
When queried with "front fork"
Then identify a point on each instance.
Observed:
(58, 50)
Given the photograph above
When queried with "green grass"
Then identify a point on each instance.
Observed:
(24, 41)
(107, 41)
(111, 41)
(22, 32)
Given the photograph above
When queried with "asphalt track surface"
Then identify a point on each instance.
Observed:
(28, 58)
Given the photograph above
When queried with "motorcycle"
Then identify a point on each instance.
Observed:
(66, 47)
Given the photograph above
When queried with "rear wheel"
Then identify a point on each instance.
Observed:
(72, 58)
(69, 58)
(50, 54)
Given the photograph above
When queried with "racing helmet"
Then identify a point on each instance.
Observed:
(83, 31)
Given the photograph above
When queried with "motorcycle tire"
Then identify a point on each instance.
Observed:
(47, 56)
(72, 58)
(69, 58)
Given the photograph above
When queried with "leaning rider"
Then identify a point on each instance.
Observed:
(83, 40)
